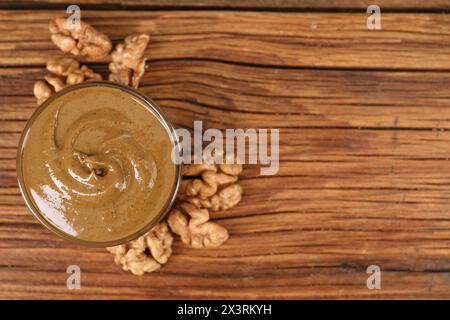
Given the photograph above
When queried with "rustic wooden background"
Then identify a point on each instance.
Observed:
(364, 120)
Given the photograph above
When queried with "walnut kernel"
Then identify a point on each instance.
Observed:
(42, 91)
(135, 257)
(196, 232)
(128, 61)
(64, 72)
(82, 41)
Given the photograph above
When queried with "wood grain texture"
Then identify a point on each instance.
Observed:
(364, 175)
(417, 5)
(290, 40)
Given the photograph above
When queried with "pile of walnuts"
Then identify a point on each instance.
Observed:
(127, 59)
(204, 188)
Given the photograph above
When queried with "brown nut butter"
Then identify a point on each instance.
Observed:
(94, 164)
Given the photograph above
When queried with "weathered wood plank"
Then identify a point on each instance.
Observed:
(327, 40)
(98, 286)
(241, 4)
(269, 97)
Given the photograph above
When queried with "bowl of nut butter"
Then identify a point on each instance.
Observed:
(94, 164)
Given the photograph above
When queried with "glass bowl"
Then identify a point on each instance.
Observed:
(153, 107)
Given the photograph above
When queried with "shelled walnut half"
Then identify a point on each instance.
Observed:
(194, 228)
(63, 72)
(215, 189)
(147, 253)
(84, 40)
(128, 61)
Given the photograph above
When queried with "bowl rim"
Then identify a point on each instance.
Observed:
(154, 108)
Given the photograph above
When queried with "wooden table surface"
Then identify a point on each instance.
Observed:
(364, 120)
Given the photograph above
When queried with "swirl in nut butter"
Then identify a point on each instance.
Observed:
(96, 164)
